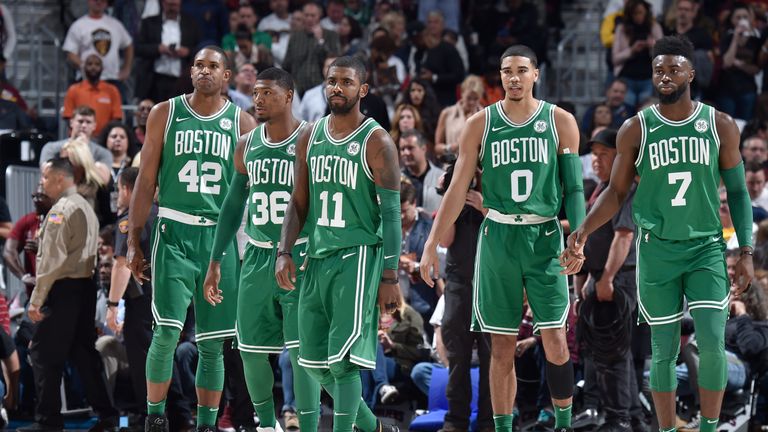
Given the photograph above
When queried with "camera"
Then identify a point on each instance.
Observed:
(448, 176)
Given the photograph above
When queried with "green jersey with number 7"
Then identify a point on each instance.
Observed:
(677, 197)
(519, 162)
(196, 165)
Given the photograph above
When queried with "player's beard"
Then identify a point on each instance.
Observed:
(673, 97)
(343, 109)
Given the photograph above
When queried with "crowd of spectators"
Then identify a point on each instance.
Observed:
(431, 65)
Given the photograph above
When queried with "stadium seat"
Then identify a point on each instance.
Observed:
(438, 402)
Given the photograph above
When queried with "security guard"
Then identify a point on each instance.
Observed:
(63, 303)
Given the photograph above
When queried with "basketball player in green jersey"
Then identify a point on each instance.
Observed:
(681, 149)
(347, 190)
(266, 314)
(188, 155)
(528, 152)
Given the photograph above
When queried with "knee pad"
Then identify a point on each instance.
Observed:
(210, 366)
(159, 366)
(560, 379)
(710, 340)
(665, 346)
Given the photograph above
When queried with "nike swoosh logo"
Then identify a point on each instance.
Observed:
(497, 128)
(307, 412)
(653, 129)
(303, 253)
(318, 142)
(348, 255)
(341, 414)
(386, 257)
(716, 238)
(181, 119)
(711, 421)
(549, 233)
(253, 148)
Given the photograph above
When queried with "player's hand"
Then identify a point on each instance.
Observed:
(31, 246)
(572, 257)
(35, 314)
(429, 266)
(524, 345)
(28, 279)
(742, 278)
(136, 262)
(604, 289)
(211, 284)
(475, 200)
(112, 320)
(738, 308)
(285, 272)
(390, 298)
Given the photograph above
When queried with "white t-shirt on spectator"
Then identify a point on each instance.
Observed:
(104, 37)
(273, 23)
(313, 104)
(437, 316)
(762, 200)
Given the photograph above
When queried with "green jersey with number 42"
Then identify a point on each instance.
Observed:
(519, 162)
(678, 164)
(343, 207)
(270, 174)
(196, 164)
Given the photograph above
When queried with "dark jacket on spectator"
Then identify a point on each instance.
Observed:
(748, 339)
(407, 338)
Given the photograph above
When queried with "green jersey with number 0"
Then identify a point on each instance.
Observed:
(196, 163)
(270, 174)
(678, 165)
(343, 207)
(519, 162)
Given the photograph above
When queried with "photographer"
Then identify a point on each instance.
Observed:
(420, 171)
(461, 241)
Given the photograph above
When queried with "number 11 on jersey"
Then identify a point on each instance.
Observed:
(337, 221)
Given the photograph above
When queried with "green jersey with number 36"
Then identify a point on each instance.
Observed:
(343, 207)
(270, 174)
(519, 162)
(196, 164)
(678, 164)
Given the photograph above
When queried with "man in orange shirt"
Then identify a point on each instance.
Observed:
(100, 95)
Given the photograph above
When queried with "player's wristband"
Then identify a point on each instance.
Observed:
(112, 304)
(749, 252)
(281, 253)
(389, 281)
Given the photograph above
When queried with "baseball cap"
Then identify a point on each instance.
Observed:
(606, 137)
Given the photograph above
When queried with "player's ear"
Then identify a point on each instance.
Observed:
(227, 74)
(691, 75)
(363, 90)
(289, 96)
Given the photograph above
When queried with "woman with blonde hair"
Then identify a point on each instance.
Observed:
(91, 178)
(453, 119)
(406, 117)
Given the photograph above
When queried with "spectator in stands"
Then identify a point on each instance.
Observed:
(101, 96)
(247, 51)
(100, 34)
(632, 43)
(387, 72)
(358, 10)
(9, 387)
(212, 20)
(308, 48)
(350, 36)
(458, 340)
(165, 48)
(81, 124)
(686, 23)
(334, 12)
(278, 25)
(754, 148)
(23, 238)
(601, 118)
(494, 91)
(421, 374)
(242, 94)
(438, 62)
(453, 119)
(755, 176)
(12, 117)
(119, 139)
(519, 24)
(140, 117)
(7, 90)
(394, 23)
(420, 94)
(91, 179)
(435, 26)
(247, 17)
(313, 103)
(423, 174)
(7, 32)
(740, 47)
(406, 118)
(615, 98)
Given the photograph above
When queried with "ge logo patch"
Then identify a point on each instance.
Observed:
(291, 150)
(540, 126)
(225, 124)
(353, 148)
(701, 126)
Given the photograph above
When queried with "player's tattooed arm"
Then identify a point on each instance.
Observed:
(295, 214)
(383, 160)
(144, 190)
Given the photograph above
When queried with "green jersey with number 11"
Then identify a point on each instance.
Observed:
(270, 174)
(343, 207)
(196, 164)
(678, 164)
(519, 162)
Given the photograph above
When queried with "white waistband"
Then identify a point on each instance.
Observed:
(184, 218)
(270, 245)
(517, 219)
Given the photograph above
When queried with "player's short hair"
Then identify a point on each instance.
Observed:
(352, 62)
(521, 51)
(280, 76)
(63, 166)
(218, 49)
(410, 133)
(407, 192)
(128, 177)
(84, 110)
(676, 45)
